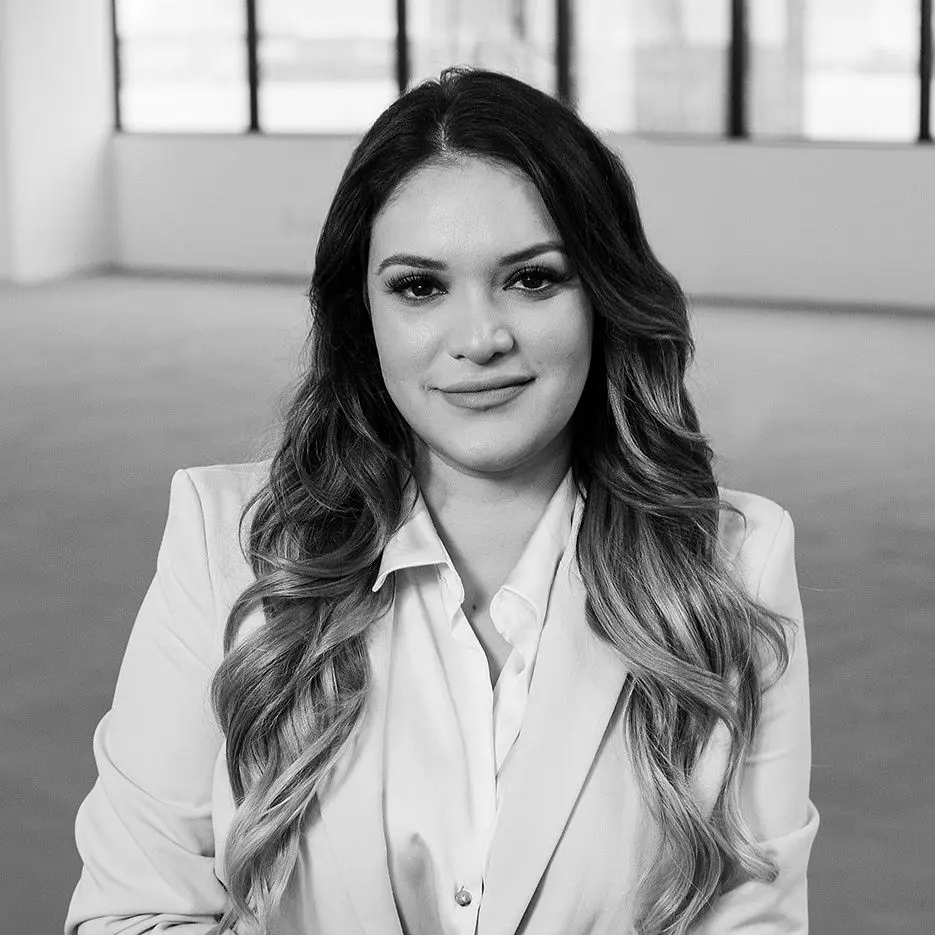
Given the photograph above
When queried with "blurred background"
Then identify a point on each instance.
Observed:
(164, 170)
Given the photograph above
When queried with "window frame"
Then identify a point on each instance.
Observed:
(736, 124)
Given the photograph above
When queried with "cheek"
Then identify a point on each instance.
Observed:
(566, 350)
(406, 350)
(397, 347)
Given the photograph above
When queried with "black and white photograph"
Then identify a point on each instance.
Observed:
(467, 467)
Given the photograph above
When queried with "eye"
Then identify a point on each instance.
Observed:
(537, 278)
(414, 287)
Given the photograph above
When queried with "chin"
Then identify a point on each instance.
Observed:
(492, 459)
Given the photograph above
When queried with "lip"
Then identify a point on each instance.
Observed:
(474, 386)
(486, 398)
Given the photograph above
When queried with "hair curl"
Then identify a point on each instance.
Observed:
(291, 695)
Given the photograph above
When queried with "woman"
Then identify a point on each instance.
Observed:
(501, 656)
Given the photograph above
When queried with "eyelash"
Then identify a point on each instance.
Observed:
(399, 284)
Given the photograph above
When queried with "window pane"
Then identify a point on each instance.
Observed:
(652, 66)
(835, 69)
(325, 66)
(183, 65)
(516, 37)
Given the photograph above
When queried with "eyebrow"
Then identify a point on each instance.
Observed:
(424, 262)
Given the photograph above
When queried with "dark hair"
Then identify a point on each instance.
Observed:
(291, 695)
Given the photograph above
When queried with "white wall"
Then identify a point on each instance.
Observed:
(55, 82)
(762, 221)
(237, 204)
(807, 222)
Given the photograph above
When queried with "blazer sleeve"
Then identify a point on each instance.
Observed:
(775, 782)
(144, 832)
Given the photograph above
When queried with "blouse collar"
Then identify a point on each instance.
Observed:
(417, 543)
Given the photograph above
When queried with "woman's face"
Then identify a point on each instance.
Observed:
(469, 287)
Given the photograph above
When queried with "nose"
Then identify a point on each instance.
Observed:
(479, 333)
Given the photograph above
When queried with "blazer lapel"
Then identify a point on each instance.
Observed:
(352, 804)
(575, 688)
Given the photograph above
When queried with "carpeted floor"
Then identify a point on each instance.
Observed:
(108, 384)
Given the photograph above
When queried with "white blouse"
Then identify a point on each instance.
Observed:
(448, 733)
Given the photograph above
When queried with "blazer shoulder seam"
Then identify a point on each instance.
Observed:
(215, 603)
(784, 515)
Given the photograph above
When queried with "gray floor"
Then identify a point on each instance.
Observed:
(109, 384)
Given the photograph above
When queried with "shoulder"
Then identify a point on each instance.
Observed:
(751, 529)
(206, 505)
(224, 489)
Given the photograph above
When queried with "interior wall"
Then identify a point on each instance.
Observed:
(57, 123)
(803, 222)
(809, 222)
(235, 204)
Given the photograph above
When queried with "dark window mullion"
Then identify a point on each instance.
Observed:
(115, 48)
(738, 54)
(564, 85)
(402, 47)
(925, 72)
(253, 71)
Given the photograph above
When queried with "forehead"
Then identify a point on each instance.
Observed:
(471, 206)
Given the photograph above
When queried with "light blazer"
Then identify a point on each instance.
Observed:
(573, 834)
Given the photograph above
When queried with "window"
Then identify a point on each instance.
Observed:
(325, 66)
(514, 36)
(835, 69)
(183, 65)
(806, 69)
(656, 66)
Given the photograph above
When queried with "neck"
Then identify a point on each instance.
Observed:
(485, 519)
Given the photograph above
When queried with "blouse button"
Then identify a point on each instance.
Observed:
(463, 897)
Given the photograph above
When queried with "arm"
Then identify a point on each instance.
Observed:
(144, 832)
(775, 791)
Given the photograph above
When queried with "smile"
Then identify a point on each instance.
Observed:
(484, 399)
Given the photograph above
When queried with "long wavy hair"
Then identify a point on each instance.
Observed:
(291, 695)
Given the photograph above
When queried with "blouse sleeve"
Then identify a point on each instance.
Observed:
(144, 832)
(775, 782)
